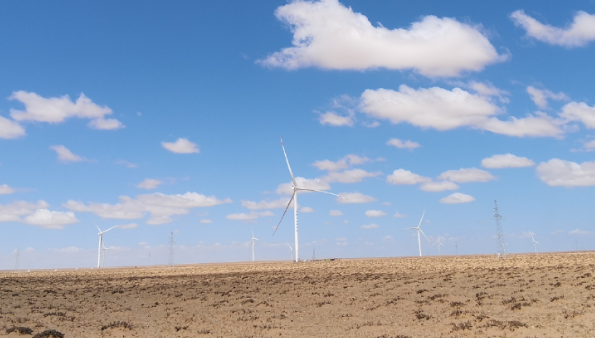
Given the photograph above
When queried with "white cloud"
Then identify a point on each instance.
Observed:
(401, 176)
(128, 226)
(590, 145)
(280, 203)
(250, 216)
(6, 190)
(386, 203)
(398, 215)
(10, 129)
(373, 124)
(159, 205)
(579, 232)
(333, 119)
(328, 35)
(206, 221)
(575, 111)
(540, 97)
(443, 109)
(335, 213)
(579, 33)
(65, 155)
(369, 226)
(344, 163)
(403, 144)
(149, 184)
(349, 176)
(314, 184)
(387, 238)
(58, 109)
(354, 198)
(488, 90)
(506, 161)
(465, 175)
(439, 186)
(50, 219)
(527, 234)
(11, 212)
(457, 198)
(563, 173)
(126, 163)
(181, 146)
(307, 210)
(375, 213)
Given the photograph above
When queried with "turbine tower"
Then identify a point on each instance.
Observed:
(419, 231)
(501, 244)
(439, 243)
(534, 243)
(101, 246)
(291, 250)
(253, 240)
(295, 189)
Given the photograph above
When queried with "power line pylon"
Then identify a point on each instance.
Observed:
(171, 250)
(500, 235)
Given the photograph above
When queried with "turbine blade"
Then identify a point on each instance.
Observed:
(96, 226)
(410, 228)
(284, 212)
(422, 232)
(115, 226)
(288, 166)
(324, 192)
(422, 218)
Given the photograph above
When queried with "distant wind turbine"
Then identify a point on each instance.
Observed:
(439, 243)
(291, 252)
(101, 246)
(534, 243)
(295, 189)
(253, 240)
(419, 231)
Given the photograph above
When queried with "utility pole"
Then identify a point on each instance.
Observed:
(313, 254)
(456, 248)
(16, 267)
(501, 244)
(171, 250)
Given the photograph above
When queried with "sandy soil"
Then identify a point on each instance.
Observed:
(545, 295)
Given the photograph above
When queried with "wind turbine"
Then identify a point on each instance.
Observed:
(290, 248)
(534, 243)
(295, 189)
(101, 246)
(439, 243)
(418, 228)
(253, 239)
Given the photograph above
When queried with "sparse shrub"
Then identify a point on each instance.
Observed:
(462, 326)
(112, 325)
(19, 330)
(419, 314)
(457, 304)
(49, 334)
(555, 298)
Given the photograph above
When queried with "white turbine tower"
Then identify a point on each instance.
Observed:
(101, 246)
(295, 189)
(534, 243)
(418, 228)
(439, 243)
(253, 240)
(291, 250)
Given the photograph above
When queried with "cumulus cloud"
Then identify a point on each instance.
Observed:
(444, 109)
(128, 226)
(465, 175)
(65, 155)
(12, 212)
(540, 96)
(579, 33)
(10, 129)
(280, 203)
(349, 176)
(369, 226)
(344, 163)
(328, 35)
(47, 219)
(58, 109)
(398, 215)
(488, 90)
(375, 213)
(314, 184)
(249, 216)
(506, 161)
(335, 213)
(6, 190)
(401, 176)
(563, 173)
(457, 198)
(579, 232)
(149, 184)
(181, 146)
(354, 198)
(307, 210)
(590, 145)
(333, 119)
(395, 142)
(438, 186)
(160, 206)
(575, 111)
(206, 221)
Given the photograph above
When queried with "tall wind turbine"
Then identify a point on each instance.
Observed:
(295, 189)
(534, 243)
(253, 239)
(101, 246)
(418, 228)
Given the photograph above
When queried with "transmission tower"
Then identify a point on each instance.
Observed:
(171, 250)
(501, 244)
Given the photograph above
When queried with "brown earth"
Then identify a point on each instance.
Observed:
(545, 295)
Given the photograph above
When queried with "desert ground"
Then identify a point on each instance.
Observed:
(542, 295)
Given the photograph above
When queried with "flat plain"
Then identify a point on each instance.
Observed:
(541, 295)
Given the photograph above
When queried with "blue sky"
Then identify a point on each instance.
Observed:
(166, 118)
